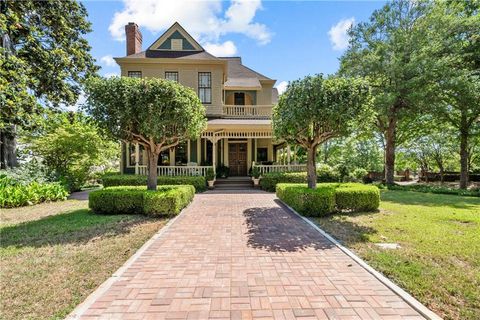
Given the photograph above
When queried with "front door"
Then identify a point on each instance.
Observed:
(237, 159)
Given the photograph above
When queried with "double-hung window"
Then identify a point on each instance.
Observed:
(135, 74)
(205, 87)
(171, 75)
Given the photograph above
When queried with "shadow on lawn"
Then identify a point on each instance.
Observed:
(430, 199)
(275, 229)
(75, 227)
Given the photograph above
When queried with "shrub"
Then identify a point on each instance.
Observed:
(357, 197)
(437, 189)
(344, 197)
(309, 202)
(210, 175)
(270, 180)
(115, 180)
(325, 173)
(223, 171)
(166, 200)
(14, 194)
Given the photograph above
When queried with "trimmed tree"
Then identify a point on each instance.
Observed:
(155, 113)
(315, 109)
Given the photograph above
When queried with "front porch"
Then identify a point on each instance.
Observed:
(239, 150)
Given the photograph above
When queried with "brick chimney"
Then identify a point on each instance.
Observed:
(134, 38)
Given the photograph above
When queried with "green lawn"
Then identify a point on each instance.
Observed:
(53, 255)
(439, 258)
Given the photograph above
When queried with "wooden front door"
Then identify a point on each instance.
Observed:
(237, 159)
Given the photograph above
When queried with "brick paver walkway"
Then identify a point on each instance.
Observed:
(243, 256)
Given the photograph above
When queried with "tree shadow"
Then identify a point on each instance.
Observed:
(276, 229)
(74, 227)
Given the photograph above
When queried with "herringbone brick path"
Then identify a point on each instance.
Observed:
(244, 256)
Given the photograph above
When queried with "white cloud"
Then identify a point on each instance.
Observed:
(108, 61)
(281, 87)
(225, 49)
(205, 20)
(338, 33)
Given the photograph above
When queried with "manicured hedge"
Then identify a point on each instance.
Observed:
(309, 202)
(268, 181)
(115, 180)
(329, 197)
(166, 200)
(437, 189)
(357, 197)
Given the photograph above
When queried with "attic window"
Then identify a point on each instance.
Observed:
(177, 44)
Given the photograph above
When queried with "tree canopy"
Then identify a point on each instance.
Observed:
(316, 109)
(155, 113)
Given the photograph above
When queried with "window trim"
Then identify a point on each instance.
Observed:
(132, 71)
(205, 87)
(173, 72)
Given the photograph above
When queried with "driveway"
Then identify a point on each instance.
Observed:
(234, 255)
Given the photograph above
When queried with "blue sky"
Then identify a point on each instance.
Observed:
(284, 40)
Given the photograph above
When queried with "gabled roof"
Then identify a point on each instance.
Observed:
(176, 31)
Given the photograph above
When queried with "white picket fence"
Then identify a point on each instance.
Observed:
(176, 170)
(280, 168)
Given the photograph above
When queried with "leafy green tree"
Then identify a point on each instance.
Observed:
(155, 113)
(72, 146)
(387, 51)
(452, 28)
(45, 65)
(315, 109)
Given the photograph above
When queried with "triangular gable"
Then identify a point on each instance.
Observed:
(176, 39)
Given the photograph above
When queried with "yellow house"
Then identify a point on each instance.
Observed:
(238, 102)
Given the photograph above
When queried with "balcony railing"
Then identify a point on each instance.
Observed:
(248, 111)
(281, 168)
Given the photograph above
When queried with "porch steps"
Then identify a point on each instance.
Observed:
(234, 183)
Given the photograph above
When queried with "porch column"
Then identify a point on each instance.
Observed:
(214, 155)
(188, 151)
(295, 154)
(289, 154)
(171, 155)
(270, 151)
(222, 147)
(199, 148)
(255, 151)
(137, 157)
(122, 163)
(225, 152)
(249, 154)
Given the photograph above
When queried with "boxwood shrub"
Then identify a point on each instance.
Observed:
(309, 202)
(268, 181)
(166, 200)
(115, 180)
(329, 198)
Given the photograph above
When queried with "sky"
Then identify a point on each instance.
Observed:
(284, 40)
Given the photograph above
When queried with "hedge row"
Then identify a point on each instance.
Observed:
(329, 197)
(115, 180)
(269, 180)
(437, 189)
(166, 200)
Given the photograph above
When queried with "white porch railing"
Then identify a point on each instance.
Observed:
(248, 111)
(176, 170)
(280, 168)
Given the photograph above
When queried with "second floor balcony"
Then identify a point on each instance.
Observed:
(240, 111)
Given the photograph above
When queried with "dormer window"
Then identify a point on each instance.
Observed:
(177, 44)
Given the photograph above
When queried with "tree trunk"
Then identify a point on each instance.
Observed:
(8, 148)
(442, 174)
(463, 158)
(311, 167)
(152, 170)
(390, 150)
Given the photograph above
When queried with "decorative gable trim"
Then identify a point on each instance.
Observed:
(176, 32)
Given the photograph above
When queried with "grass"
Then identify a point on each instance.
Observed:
(439, 258)
(53, 255)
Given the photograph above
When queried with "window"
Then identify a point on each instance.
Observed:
(239, 98)
(262, 155)
(181, 154)
(176, 44)
(205, 87)
(135, 74)
(171, 75)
